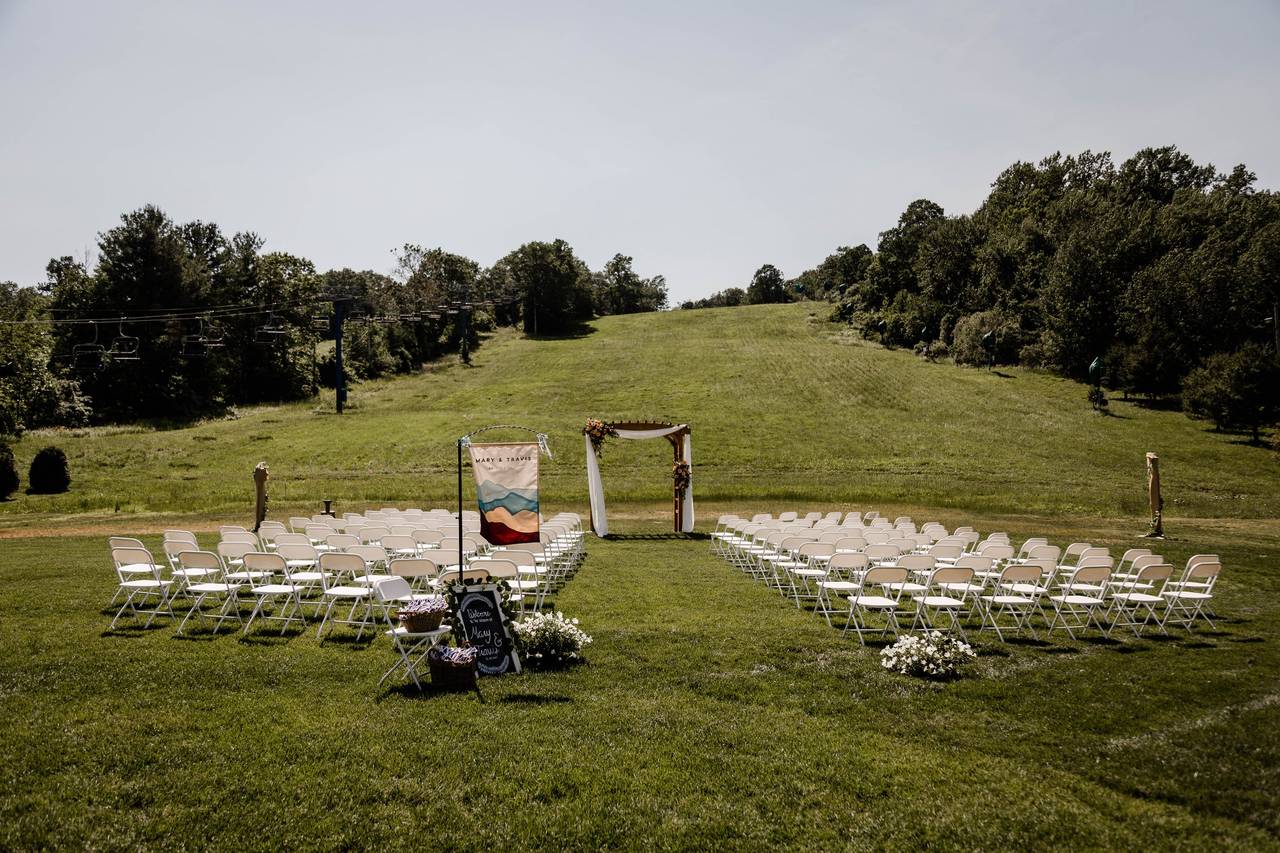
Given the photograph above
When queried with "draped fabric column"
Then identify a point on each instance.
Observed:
(686, 521)
(595, 491)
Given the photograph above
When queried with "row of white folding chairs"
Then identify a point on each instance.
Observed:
(273, 578)
(549, 561)
(732, 532)
(804, 567)
(1090, 596)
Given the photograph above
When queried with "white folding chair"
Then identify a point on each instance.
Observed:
(1140, 596)
(338, 565)
(867, 601)
(1188, 598)
(1016, 594)
(276, 586)
(946, 594)
(410, 648)
(1080, 602)
(205, 571)
(139, 581)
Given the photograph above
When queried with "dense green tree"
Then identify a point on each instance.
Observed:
(1159, 264)
(192, 361)
(730, 297)
(893, 268)
(834, 278)
(32, 393)
(1260, 270)
(554, 287)
(1236, 390)
(618, 289)
(8, 471)
(767, 285)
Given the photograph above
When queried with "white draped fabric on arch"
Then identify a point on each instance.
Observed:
(682, 445)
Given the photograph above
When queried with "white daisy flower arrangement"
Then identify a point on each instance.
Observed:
(928, 655)
(550, 640)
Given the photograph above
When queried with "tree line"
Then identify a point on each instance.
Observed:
(212, 321)
(1166, 270)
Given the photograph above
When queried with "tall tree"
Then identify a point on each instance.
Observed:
(618, 289)
(554, 287)
(767, 285)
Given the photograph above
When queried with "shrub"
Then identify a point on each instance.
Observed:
(1098, 399)
(49, 474)
(1235, 390)
(966, 339)
(8, 471)
(550, 640)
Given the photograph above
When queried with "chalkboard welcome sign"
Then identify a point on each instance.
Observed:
(484, 626)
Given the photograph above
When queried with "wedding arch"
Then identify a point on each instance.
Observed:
(594, 434)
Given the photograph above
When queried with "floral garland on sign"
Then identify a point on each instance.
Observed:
(681, 474)
(597, 430)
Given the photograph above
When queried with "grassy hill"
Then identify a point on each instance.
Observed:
(785, 407)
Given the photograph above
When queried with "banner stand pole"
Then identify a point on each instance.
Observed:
(459, 511)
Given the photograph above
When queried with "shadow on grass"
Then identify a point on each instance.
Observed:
(274, 638)
(428, 692)
(202, 635)
(348, 641)
(133, 630)
(1231, 639)
(581, 330)
(1027, 641)
(642, 537)
(534, 699)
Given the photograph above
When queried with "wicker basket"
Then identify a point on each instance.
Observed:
(448, 676)
(420, 623)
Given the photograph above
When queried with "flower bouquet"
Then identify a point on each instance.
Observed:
(550, 640)
(597, 430)
(423, 614)
(929, 655)
(453, 666)
(681, 473)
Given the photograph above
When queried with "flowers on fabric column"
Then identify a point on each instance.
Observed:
(597, 430)
(681, 474)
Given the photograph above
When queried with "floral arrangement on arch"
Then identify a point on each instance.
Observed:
(550, 640)
(681, 473)
(929, 655)
(597, 430)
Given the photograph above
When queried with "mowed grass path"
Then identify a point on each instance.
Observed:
(785, 407)
(711, 714)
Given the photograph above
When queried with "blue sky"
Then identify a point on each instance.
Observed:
(703, 139)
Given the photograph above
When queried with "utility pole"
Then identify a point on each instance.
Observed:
(466, 323)
(339, 379)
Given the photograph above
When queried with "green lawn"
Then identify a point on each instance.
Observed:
(711, 713)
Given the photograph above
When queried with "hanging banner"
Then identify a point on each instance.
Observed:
(507, 491)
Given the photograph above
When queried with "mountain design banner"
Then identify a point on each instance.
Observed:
(507, 491)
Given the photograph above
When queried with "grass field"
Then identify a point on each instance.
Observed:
(712, 713)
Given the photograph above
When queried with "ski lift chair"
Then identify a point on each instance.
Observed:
(124, 347)
(88, 356)
(269, 332)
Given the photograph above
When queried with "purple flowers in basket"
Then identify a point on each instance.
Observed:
(425, 606)
(455, 655)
